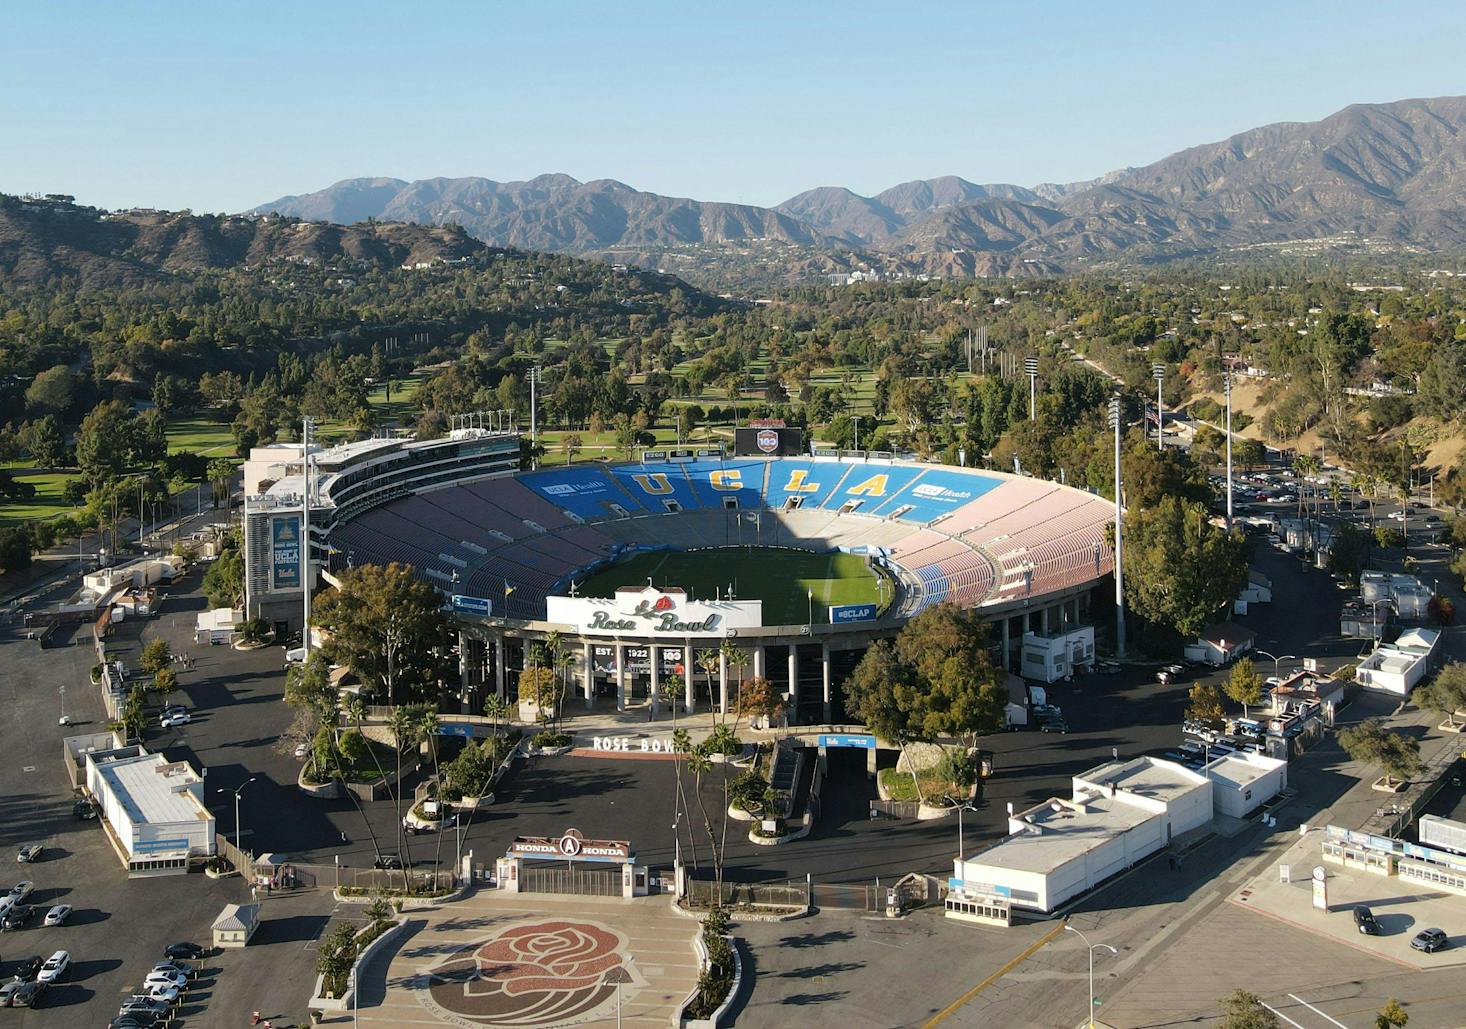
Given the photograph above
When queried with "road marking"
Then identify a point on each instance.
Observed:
(1316, 1011)
(29, 768)
(1033, 948)
(1284, 1017)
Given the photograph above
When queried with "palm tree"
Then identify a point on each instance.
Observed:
(355, 707)
(707, 660)
(737, 659)
(403, 727)
(497, 708)
(681, 748)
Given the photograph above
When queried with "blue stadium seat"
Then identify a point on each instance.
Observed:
(811, 481)
(655, 484)
(587, 492)
(715, 480)
(870, 485)
(936, 492)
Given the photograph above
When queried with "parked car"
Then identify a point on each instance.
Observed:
(1365, 921)
(391, 861)
(167, 978)
(182, 968)
(9, 990)
(184, 951)
(58, 915)
(1042, 711)
(28, 995)
(1430, 940)
(164, 993)
(54, 968)
(1054, 725)
(142, 1002)
(17, 916)
(302, 750)
(84, 809)
(1108, 667)
(28, 853)
(21, 890)
(175, 719)
(28, 968)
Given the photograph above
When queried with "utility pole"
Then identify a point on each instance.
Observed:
(1158, 372)
(1117, 416)
(1030, 365)
(305, 535)
(534, 435)
(1227, 389)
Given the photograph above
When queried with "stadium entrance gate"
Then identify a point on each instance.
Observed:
(560, 866)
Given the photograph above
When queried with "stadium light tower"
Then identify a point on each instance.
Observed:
(1117, 418)
(1227, 390)
(1030, 365)
(306, 425)
(1158, 372)
(534, 435)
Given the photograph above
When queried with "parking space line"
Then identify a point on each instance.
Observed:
(1028, 952)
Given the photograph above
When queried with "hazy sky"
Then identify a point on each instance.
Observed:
(219, 105)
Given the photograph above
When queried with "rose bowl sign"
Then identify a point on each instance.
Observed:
(570, 845)
(645, 611)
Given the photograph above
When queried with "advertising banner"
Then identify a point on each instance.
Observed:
(852, 613)
(472, 605)
(285, 552)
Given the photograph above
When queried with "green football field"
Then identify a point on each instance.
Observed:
(782, 579)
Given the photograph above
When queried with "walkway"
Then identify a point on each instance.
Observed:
(538, 960)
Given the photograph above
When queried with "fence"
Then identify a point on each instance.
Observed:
(859, 897)
(894, 808)
(789, 894)
(371, 879)
(596, 882)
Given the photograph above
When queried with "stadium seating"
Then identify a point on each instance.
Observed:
(974, 537)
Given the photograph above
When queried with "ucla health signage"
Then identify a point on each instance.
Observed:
(285, 552)
(650, 612)
(472, 605)
(852, 613)
(853, 740)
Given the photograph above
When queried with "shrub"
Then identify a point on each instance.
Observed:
(549, 740)
(254, 630)
(747, 789)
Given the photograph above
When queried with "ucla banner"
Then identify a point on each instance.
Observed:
(285, 552)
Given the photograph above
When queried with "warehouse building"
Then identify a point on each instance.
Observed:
(154, 810)
(1118, 814)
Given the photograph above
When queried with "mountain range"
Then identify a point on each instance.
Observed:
(1390, 173)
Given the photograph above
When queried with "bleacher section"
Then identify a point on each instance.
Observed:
(972, 537)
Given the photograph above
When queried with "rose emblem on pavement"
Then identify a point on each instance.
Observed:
(537, 974)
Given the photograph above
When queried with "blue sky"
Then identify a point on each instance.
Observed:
(222, 104)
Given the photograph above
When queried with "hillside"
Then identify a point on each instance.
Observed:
(42, 241)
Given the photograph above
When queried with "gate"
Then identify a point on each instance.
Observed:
(595, 882)
(849, 898)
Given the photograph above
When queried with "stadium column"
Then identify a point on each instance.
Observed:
(722, 682)
(589, 671)
(463, 665)
(688, 681)
(1005, 641)
(794, 680)
(654, 654)
(825, 670)
(620, 676)
(499, 665)
(758, 661)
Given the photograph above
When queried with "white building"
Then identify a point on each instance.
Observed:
(1119, 814)
(1242, 782)
(1049, 658)
(154, 809)
(1398, 667)
(1259, 590)
(1220, 644)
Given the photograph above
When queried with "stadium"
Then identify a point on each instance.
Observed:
(789, 565)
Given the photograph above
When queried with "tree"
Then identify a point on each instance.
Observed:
(104, 441)
(1346, 551)
(1446, 693)
(219, 472)
(388, 627)
(936, 679)
(1244, 1010)
(1244, 685)
(1441, 610)
(1391, 1016)
(757, 698)
(1180, 570)
(1206, 706)
(155, 655)
(52, 392)
(570, 446)
(165, 681)
(1386, 536)
(15, 549)
(45, 442)
(1370, 743)
(224, 581)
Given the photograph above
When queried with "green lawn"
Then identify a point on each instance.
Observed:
(203, 435)
(780, 578)
(47, 503)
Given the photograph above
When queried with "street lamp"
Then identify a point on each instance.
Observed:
(1277, 659)
(1158, 372)
(1092, 948)
(961, 849)
(618, 977)
(1227, 390)
(236, 791)
(809, 622)
(857, 432)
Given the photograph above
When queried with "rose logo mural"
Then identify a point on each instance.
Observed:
(536, 974)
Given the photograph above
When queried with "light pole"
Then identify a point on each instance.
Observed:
(1158, 372)
(534, 434)
(809, 623)
(961, 849)
(1227, 390)
(1030, 365)
(618, 977)
(1092, 948)
(236, 791)
(1277, 660)
(857, 432)
(1117, 415)
(306, 424)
